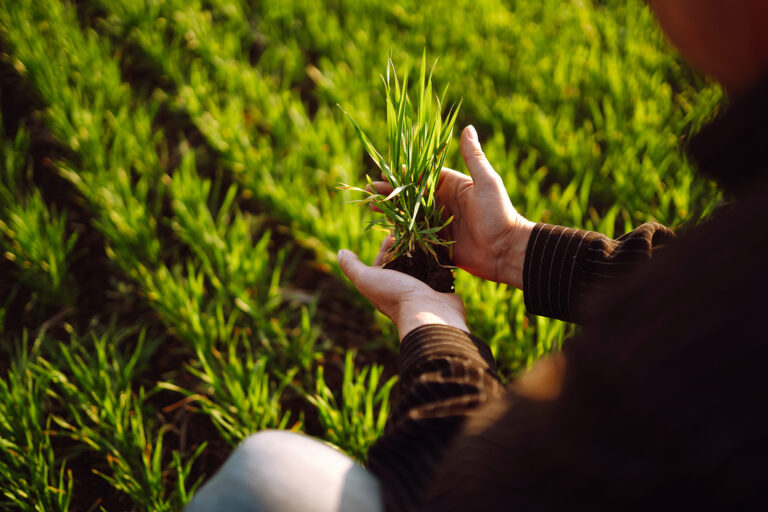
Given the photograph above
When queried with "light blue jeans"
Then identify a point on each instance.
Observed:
(281, 471)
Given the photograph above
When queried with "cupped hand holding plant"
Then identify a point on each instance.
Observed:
(408, 302)
(490, 237)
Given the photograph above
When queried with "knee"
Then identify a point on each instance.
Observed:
(261, 447)
(284, 471)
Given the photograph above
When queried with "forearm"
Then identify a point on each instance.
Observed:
(446, 373)
(413, 314)
(564, 268)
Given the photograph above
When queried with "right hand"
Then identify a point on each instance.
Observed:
(490, 236)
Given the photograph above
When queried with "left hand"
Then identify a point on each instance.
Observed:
(408, 302)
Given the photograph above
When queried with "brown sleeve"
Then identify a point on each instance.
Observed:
(564, 268)
(445, 373)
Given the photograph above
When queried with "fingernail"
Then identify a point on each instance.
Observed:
(472, 133)
(339, 255)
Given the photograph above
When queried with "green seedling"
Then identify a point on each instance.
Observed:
(357, 420)
(419, 138)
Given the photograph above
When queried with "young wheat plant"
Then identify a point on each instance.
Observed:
(419, 137)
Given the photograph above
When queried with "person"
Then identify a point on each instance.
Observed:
(659, 401)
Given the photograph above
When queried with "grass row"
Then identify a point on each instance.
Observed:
(32, 236)
(34, 241)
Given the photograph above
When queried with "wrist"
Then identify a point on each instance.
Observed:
(412, 315)
(511, 261)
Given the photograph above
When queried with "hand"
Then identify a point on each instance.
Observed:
(408, 302)
(490, 236)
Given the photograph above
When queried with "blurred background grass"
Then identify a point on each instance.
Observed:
(169, 217)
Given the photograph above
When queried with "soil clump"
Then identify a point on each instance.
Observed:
(436, 273)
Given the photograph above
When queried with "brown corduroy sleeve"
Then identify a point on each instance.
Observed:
(444, 374)
(564, 268)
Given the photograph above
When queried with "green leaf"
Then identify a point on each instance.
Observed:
(396, 192)
(368, 145)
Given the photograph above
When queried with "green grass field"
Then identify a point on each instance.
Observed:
(169, 215)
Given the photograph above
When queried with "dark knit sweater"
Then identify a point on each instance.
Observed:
(664, 396)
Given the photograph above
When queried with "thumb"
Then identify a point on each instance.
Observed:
(353, 268)
(483, 175)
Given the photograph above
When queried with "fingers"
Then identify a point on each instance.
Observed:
(480, 169)
(382, 188)
(449, 177)
(385, 245)
(449, 185)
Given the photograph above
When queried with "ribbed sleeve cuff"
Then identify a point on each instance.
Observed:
(435, 341)
(554, 260)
